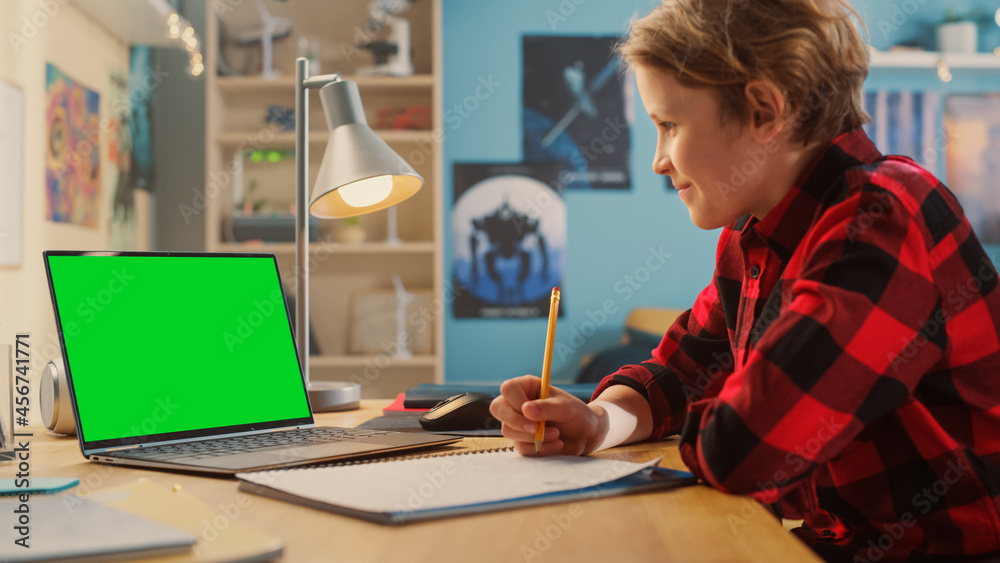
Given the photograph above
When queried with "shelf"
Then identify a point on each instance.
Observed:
(930, 59)
(286, 84)
(286, 139)
(319, 362)
(384, 248)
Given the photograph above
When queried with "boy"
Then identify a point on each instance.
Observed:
(843, 366)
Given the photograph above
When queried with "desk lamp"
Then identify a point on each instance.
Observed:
(359, 174)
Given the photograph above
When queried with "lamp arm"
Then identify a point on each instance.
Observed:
(302, 214)
(303, 82)
(319, 80)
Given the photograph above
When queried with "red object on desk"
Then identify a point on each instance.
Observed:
(397, 408)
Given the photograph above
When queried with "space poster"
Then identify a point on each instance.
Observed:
(574, 110)
(509, 233)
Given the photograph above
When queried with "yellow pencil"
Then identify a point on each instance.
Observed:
(547, 364)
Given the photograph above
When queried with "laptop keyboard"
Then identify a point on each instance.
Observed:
(246, 444)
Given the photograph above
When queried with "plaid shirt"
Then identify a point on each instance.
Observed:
(844, 365)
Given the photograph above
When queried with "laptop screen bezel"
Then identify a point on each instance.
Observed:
(99, 446)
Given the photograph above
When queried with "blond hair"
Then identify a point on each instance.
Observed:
(809, 49)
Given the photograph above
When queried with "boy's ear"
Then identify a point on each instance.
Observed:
(766, 106)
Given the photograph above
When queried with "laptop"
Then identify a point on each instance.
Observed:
(187, 361)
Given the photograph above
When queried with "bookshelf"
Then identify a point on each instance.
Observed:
(236, 107)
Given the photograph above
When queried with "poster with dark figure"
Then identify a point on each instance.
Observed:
(574, 110)
(509, 233)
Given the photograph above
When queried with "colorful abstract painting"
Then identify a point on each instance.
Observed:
(73, 156)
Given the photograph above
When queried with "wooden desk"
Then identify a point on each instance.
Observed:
(690, 524)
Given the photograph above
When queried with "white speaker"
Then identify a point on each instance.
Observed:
(53, 398)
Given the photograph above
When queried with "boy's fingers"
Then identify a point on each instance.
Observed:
(557, 409)
(548, 448)
(519, 390)
(502, 410)
(518, 435)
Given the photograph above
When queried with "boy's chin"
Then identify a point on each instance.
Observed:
(706, 222)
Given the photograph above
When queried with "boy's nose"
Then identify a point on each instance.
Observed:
(662, 164)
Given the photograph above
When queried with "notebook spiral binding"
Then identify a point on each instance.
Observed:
(395, 458)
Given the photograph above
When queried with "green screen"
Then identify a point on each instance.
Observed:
(160, 344)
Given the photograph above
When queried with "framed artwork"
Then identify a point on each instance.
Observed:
(12, 164)
(118, 177)
(574, 110)
(972, 123)
(509, 228)
(72, 150)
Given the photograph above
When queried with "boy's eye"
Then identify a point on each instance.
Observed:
(666, 125)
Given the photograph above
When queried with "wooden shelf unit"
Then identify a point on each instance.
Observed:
(236, 107)
(930, 60)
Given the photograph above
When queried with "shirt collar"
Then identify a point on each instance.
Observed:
(785, 225)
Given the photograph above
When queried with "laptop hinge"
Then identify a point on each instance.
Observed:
(120, 448)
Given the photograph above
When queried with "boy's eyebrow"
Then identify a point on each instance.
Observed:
(657, 116)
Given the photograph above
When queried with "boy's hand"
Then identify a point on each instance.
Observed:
(571, 426)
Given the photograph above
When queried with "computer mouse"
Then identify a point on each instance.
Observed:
(467, 411)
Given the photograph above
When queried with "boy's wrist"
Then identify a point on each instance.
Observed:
(614, 425)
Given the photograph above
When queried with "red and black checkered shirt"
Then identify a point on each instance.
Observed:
(844, 366)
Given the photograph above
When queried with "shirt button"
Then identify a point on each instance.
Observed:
(754, 272)
(827, 533)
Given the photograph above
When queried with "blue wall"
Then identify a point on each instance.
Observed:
(609, 234)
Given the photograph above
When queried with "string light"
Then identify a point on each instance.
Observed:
(944, 71)
(196, 64)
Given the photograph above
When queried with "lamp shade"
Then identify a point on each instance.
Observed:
(359, 174)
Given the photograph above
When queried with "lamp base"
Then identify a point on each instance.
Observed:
(332, 396)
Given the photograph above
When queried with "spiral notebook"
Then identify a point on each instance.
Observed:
(415, 488)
